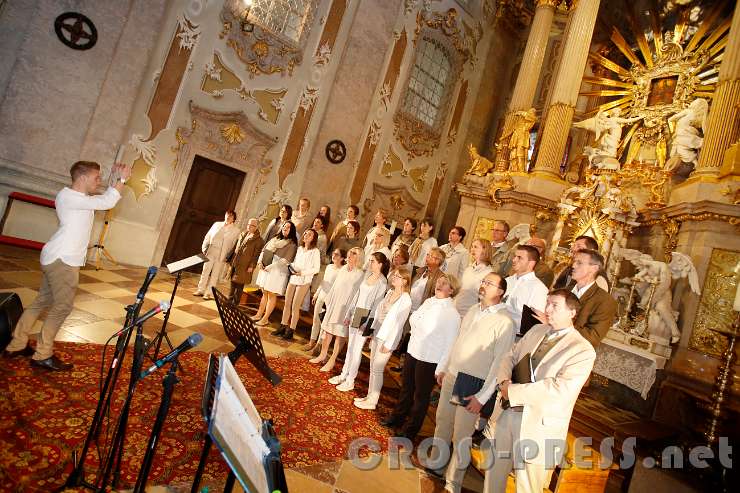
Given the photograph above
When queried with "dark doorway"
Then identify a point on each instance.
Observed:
(211, 190)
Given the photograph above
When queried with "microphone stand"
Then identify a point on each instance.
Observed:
(113, 461)
(157, 341)
(168, 384)
(77, 476)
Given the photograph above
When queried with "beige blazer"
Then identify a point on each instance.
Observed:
(549, 400)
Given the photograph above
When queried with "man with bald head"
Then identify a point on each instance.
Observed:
(248, 248)
(542, 271)
(501, 253)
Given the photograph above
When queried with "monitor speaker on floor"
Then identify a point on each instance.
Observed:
(10, 311)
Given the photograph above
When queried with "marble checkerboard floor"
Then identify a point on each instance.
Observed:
(99, 311)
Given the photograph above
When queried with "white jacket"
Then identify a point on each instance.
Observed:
(220, 241)
(391, 328)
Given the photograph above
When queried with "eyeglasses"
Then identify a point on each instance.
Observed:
(499, 230)
(489, 283)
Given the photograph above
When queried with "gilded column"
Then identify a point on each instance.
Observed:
(534, 55)
(722, 124)
(559, 115)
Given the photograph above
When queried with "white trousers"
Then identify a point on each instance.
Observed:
(353, 358)
(454, 425)
(529, 477)
(378, 360)
(316, 326)
(210, 276)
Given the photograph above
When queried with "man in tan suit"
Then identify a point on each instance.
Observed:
(501, 256)
(247, 251)
(598, 308)
(532, 418)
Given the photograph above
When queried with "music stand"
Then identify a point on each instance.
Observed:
(242, 333)
(174, 268)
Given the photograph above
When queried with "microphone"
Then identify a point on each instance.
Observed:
(188, 343)
(162, 307)
(150, 273)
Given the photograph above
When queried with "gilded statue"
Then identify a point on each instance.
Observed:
(607, 127)
(480, 166)
(519, 141)
(686, 139)
(653, 284)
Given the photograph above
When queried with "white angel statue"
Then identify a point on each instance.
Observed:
(662, 319)
(520, 233)
(686, 140)
(607, 128)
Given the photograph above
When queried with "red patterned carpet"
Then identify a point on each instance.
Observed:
(45, 415)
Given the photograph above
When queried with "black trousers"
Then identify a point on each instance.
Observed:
(417, 384)
(236, 292)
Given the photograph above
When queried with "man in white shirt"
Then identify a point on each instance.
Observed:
(523, 287)
(61, 259)
(536, 415)
(457, 255)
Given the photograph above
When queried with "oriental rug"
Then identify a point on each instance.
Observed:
(44, 416)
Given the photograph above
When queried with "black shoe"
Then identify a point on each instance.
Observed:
(478, 438)
(390, 422)
(288, 335)
(53, 363)
(25, 352)
(397, 369)
(280, 331)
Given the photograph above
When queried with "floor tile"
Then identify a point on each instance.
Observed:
(381, 479)
(300, 482)
(102, 308)
(181, 318)
(27, 295)
(105, 275)
(115, 293)
(25, 278)
(166, 295)
(200, 311)
(208, 344)
(97, 332)
(95, 287)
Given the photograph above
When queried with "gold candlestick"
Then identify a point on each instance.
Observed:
(722, 382)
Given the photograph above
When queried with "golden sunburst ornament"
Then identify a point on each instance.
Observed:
(232, 133)
(670, 66)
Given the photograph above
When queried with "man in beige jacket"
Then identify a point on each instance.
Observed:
(532, 418)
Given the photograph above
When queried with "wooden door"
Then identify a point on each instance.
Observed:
(211, 190)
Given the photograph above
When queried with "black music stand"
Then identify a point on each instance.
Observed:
(173, 268)
(242, 333)
(272, 463)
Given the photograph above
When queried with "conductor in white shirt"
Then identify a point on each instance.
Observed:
(523, 287)
(531, 419)
(61, 259)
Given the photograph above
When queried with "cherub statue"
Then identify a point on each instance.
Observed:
(607, 127)
(686, 140)
(519, 141)
(480, 166)
(661, 324)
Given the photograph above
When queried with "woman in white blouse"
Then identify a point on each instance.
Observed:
(366, 299)
(422, 245)
(340, 295)
(307, 263)
(273, 277)
(390, 317)
(480, 252)
(327, 281)
(380, 219)
(434, 327)
(380, 245)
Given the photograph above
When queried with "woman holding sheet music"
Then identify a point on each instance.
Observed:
(327, 281)
(340, 295)
(273, 264)
(307, 263)
(390, 317)
(359, 317)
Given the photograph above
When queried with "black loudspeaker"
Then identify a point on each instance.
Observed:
(10, 311)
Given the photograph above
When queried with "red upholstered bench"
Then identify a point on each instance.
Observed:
(14, 240)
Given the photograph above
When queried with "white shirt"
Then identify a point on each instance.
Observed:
(579, 292)
(524, 290)
(76, 212)
(390, 328)
(417, 292)
(330, 273)
(434, 328)
(426, 245)
(457, 260)
(370, 249)
(469, 286)
(308, 263)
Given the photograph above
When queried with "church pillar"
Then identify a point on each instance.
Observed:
(534, 55)
(559, 115)
(722, 124)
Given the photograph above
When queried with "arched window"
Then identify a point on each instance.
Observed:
(290, 18)
(429, 83)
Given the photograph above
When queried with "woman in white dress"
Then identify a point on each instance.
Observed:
(305, 266)
(422, 245)
(480, 252)
(340, 295)
(366, 299)
(379, 244)
(380, 219)
(218, 245)
(390, 317)
(276, 225)
(273, 278)
(327, 281)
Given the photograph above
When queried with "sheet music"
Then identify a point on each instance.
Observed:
(236, 428)
(186, 262)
